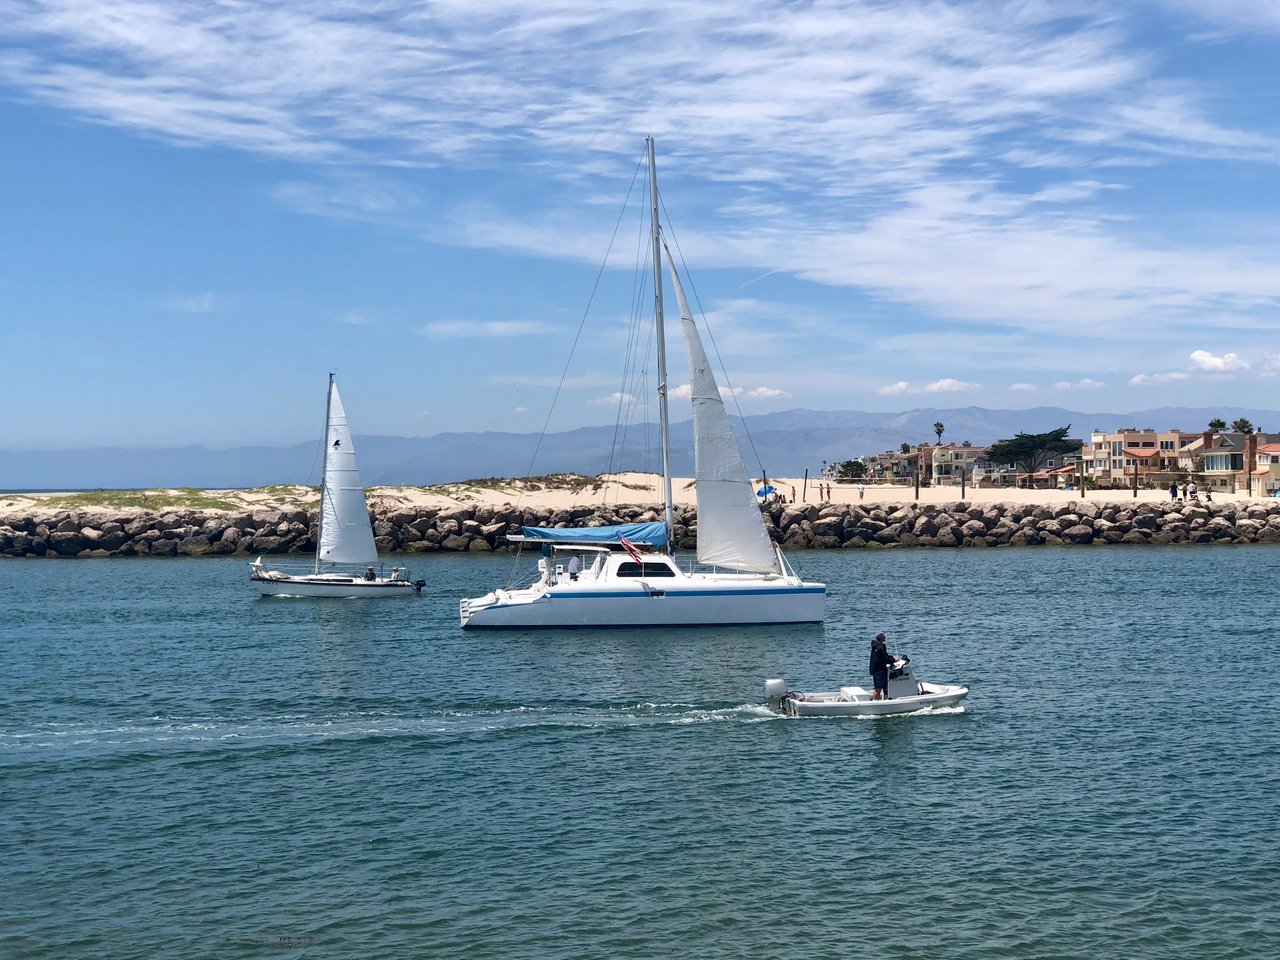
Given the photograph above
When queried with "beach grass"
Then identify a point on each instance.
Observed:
(186, 498)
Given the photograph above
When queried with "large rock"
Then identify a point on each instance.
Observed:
(66, 543)
(1078, 534)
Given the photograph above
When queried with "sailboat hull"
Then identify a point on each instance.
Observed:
(696, 601)
(338, 588)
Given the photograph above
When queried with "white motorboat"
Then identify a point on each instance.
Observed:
(906, 695)
(624, 575)
(345, 536)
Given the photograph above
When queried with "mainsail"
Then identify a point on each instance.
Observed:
(730, 531)
(345, 533)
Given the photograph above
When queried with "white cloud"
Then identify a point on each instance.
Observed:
(1022, 387)
(949, 385)
(956, 158)
(1227, 363)
(196, 303)
(726, 393)
(1085, 384)
(894, 389)
(766, 393)
(461, 329)
(1146, 379)
(356, 319)
(1270, 366)
(520, 410)
(613, 400)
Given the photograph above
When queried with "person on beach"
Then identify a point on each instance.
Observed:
(1192, 491)
(862, 490)
(879, 668)
(1173, 491)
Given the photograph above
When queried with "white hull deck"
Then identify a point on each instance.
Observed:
(906, 695)
(339, 588)
(847, 703)
(685, 600)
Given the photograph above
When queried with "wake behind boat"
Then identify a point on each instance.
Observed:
(345, 537)
(622, 576)
(906, 695)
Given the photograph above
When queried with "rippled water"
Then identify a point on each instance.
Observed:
(189, 771)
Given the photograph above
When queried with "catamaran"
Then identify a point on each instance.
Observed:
(625, 576)
(345, 537)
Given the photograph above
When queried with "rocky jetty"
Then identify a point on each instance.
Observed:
(797, 527)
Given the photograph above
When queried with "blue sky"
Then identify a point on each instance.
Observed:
(206, 206)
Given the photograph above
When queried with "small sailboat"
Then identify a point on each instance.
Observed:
(906, 694)
(345, 536)
(624, 576)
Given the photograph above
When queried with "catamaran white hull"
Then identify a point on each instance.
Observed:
(839, 704)
(641, 605)
(339, 588)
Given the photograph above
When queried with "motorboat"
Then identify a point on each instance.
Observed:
(906, 694)
(623, 577)
(345, 552)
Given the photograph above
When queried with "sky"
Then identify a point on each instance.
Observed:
(207, 206)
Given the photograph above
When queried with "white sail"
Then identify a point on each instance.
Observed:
(345, 533)
(731, 532)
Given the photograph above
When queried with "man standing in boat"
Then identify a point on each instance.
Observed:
(880, 663)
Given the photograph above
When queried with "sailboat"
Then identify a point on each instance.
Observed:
(345, 536)
(625, 576)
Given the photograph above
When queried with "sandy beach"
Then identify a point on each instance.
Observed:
(561, 492)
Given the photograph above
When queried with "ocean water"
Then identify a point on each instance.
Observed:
(187, 770)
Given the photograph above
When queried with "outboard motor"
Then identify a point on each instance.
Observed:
(775, 691)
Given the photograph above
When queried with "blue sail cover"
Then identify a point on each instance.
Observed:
(654, 534)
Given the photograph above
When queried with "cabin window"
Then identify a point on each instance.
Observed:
(632, 569)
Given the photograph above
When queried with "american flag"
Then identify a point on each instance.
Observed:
(630, 547)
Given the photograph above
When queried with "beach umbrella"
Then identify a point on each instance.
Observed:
(765, 490)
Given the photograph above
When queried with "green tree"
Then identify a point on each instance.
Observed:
(1217, 423)
(1242, 426)
(906, 448)
(1030, 450)
(938, 427)
(851, 470)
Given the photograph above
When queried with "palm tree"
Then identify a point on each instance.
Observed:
(1217, 423)
(1242, 426)
(938, 428)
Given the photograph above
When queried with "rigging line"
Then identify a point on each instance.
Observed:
(631, 360)
(714, 346)
(582, 323)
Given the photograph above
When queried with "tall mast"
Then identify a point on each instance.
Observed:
(663, 419)
(324, 467)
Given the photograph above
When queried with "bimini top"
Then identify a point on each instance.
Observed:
(641, 534)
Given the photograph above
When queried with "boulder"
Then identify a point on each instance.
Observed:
(66, 543)
(1078, 534)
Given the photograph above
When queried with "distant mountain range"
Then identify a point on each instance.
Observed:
(785, 444)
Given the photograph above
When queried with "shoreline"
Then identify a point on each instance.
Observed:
(477, 517)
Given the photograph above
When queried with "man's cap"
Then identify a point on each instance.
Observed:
(879, 636)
